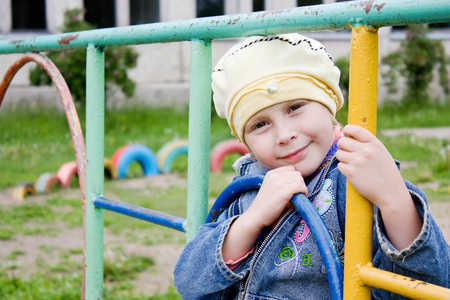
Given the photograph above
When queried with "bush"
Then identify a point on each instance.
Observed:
(415, 60)
(343, 64)
(72, 63)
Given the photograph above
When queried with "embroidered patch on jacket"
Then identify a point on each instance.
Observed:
(324, 199)
(286, 253)
(322, 202)
(305, 259)
(300, 236)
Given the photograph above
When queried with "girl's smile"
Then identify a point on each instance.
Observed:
(295, 155)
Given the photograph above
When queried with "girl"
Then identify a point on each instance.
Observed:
(279, 95)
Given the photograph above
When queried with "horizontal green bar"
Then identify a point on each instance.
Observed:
(334, 16)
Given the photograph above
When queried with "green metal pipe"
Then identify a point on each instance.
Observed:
(95, 115)
(199, 136)
(337, 16)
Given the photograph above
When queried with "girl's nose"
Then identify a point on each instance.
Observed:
(285, 135)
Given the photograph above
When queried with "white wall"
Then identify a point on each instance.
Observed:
(171, 10)
(5, 16)
(279, 4)
(55, 9)
(122, 13)
(233, 7)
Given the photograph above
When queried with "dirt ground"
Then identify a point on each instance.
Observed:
(46, 247)
(156, 281)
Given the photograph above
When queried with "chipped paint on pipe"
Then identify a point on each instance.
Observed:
(405, 286)
(362, 111)
(376, 13)
(95, 128)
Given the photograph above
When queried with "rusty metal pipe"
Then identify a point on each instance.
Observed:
(405, 286)
(69, 109)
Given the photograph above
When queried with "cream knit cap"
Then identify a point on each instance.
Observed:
(265, 70)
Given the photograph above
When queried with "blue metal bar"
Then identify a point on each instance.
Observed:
(336, 16)
(327, 248)
(141, 213)
(231, 193)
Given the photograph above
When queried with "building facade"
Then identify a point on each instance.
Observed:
(162, 72)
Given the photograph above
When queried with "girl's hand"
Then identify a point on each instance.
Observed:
(278, 188)
(370, 168)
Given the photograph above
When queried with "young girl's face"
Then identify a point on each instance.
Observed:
(297, 133)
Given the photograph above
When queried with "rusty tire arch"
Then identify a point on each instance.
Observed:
(69, 110)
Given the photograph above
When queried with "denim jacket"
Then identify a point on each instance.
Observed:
(286, 263)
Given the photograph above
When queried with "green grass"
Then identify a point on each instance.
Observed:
(170, 200)
(425, 161)
(122, 267)
(62, 281)
(35, 142)
(392, 115)
(28, 220)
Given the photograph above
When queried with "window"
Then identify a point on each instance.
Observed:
(144, 11)
(440, 25)
(432, 26)
(208, 8)
(28, 14)
(100, 13)
(308, 2)
(258, 5)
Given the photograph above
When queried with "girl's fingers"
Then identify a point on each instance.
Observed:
(344, 168)
(343, 156)
(286, 178)
(358, 133)
(347, 144)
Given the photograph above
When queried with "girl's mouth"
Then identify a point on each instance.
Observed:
(295, 155)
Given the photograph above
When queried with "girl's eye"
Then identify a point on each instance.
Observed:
(294, 107)
(260, 125)
(256, 126)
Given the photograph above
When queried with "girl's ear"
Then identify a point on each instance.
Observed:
(252, 156)
(337, 132)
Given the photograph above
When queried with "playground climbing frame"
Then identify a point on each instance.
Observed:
(362, 17)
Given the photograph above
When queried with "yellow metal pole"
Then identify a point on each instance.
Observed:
(363, 112)
(411, 288)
